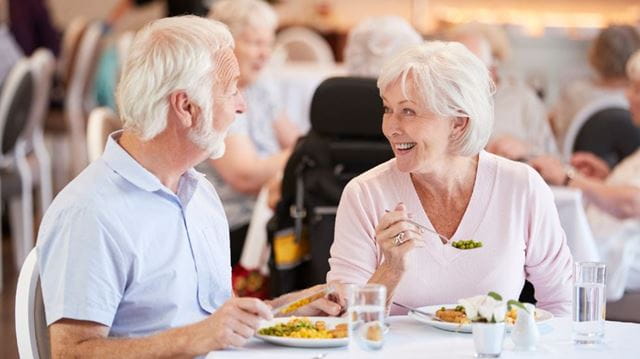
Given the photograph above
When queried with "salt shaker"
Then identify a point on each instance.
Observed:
(525, 332)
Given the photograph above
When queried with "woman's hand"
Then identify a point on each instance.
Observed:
(590, 165)
(397, 237)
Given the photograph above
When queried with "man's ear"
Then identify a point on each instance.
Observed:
(459, 126)
(183, 109)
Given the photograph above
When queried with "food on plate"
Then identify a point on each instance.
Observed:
(304, 328)
(455, 315)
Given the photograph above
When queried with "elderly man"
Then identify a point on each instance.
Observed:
(134, 253)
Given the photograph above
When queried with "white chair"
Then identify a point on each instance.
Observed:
(78, 100)
(16, 102)
(301, 44)
(43, 67)
(102, 122)
(579, 120)
(31, 326)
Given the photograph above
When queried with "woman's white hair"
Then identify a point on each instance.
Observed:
(239, 14)
(170, 54)
(633, 66)
(451, 82)
(375, 40)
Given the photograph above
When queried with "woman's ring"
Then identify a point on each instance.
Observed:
(398, 239)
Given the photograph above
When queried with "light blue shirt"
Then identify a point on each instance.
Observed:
(118, 248)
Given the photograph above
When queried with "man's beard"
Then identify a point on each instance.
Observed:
(208, 139)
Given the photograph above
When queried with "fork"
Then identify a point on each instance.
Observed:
(443, 237)
(417, 311)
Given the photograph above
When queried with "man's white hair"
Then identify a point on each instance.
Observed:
(633, 66)
(451, 82)
(375, 40)
(170, 54)
(239, 14)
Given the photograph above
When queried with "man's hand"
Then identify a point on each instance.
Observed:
(232, 325)
(590, 165)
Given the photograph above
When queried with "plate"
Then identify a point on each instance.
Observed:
(541, 317)
(303, 342)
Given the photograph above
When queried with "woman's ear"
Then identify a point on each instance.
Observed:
(459, 126)
(183, 109)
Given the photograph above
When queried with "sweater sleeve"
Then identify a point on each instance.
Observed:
(354, 253)
(548, 262)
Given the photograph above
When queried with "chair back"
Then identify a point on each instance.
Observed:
(16, 101)
(102, 122)
(78, 96)
(301, 44)
(31, 326)
(578, 121)
(345, 140)
(42, 66)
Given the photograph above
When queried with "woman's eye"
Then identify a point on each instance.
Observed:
(386, 109)
(408, 112)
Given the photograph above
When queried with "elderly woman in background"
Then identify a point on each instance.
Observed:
(374, 40)
(614, 200)
(438, 116)
(608, 56)
(260, 140)
(521, 128)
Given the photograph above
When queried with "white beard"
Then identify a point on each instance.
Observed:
(208, 139)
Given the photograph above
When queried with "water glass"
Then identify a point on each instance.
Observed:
(589, 302)
(366, 314)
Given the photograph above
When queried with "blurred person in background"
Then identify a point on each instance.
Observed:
(11, 53)
(260, 140)
(521, 129)
(613, 197)
(32, 27)
(608, 56)
(374, 40)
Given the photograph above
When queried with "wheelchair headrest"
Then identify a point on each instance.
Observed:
(347, 107)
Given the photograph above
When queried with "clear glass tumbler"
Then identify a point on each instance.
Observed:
(366, 314)
(589, 302)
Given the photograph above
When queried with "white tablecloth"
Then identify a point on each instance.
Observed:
(574, 222)
(409, 339)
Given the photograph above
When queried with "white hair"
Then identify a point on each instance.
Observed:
(451, 82)
(375, 40)
(239, 14)
(633, 66)
(170, 54)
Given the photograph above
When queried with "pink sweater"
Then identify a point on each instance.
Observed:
(511, 212)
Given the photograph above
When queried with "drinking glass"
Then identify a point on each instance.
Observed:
(589, 302)
(366, 314)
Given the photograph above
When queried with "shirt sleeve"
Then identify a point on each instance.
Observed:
(82, 269)
(541, 136)
(548, 261)
(354, 253)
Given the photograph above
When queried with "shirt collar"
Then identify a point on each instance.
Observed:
(126, 166)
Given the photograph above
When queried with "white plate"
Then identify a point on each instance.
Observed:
(541, 317)
(302, 342)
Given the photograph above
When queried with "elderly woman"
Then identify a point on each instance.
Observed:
(608, 56)
(259, 141)
(613, 197)
(438, 117)
(374, 41)
(521, 128)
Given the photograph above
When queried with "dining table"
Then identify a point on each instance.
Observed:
(408, 338)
